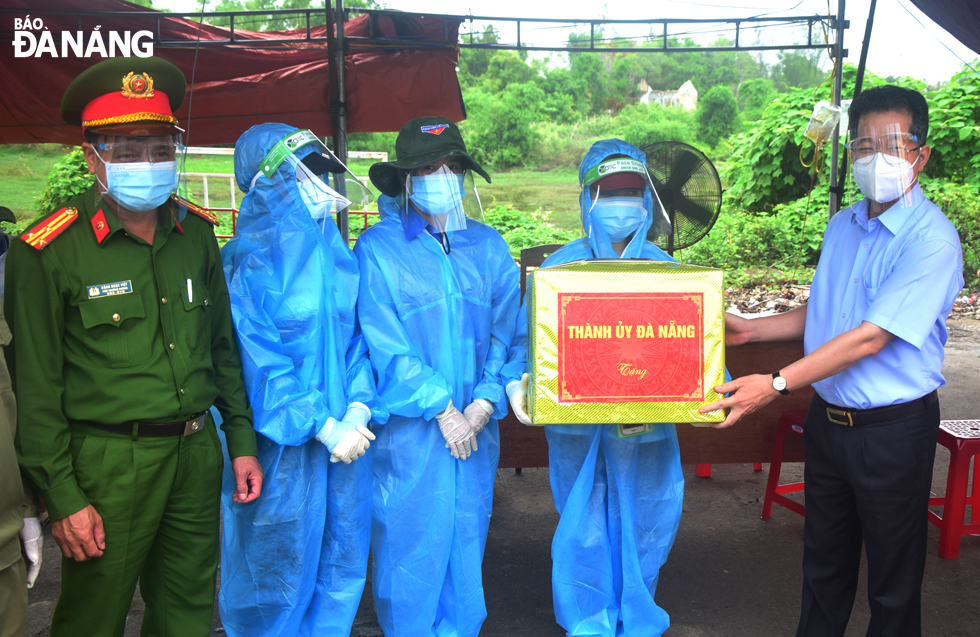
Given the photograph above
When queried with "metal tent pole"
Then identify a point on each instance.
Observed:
(858, 83)
(338, 106)
(835, 140)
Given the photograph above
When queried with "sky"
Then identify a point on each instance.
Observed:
(903, 42)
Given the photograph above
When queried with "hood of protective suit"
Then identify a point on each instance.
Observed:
(390, 206)
(598, 239)
(293, 286)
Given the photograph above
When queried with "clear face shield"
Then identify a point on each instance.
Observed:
(882, 159)
(311, 186)
(140, 172)
(444, 196)
(618, 203)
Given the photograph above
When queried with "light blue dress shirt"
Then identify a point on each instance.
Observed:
(901, 271)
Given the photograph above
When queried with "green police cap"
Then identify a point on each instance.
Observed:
(126, 96)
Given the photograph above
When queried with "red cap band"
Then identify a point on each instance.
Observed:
(114, 108)
(616, 181)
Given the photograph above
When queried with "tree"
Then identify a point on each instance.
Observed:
(589, 70)
(473, 63)
(753, 96)
(279, 22)
(717, 115)
(799, 69)
(506, 68)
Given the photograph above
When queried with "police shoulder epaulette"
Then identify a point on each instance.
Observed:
(45, 231)
(207, 215)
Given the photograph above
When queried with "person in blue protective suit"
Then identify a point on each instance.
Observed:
(296, 562)
(618, 489)
(438, 301)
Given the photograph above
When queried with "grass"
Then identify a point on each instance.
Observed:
(556, 190)
(23, 171)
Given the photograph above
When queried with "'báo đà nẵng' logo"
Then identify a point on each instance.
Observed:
(644, 347)
(33, 39)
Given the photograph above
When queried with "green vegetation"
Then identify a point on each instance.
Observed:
(531, 120)
(24, 171)
(521, 230)
(762, 221)
(717, 115)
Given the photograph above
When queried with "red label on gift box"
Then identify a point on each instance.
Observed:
(615, 347)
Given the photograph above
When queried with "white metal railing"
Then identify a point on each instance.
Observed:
(364, 154)
(231, 181)
(204, 150)
(354, 154)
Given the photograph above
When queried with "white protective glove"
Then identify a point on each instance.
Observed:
(517, 395)
(456, 429)
(33, 541)
(478, 414)
(347, 439)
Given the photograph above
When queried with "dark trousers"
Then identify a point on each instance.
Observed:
(867, 483)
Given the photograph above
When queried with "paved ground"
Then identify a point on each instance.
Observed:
(729, 574)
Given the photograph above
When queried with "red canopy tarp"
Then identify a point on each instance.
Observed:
(961, 18)
(236, 87)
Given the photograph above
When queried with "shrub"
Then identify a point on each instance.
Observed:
(954, 129)
(961, 203)
(523, 230)
(717, 115)
(68, 178)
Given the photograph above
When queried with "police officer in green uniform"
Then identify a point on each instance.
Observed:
(122, 341)
(20, 532)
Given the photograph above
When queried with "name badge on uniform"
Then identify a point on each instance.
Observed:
(110, 289)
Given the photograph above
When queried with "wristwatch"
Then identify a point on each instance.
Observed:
(779, 383)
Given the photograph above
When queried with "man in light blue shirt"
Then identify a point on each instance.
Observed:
(873, 332)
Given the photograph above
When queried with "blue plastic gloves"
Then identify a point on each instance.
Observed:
(347, 439)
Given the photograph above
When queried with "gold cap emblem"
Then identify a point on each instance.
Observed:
(137, 85)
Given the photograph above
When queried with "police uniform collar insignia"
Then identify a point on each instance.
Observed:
(48, 229)
(100, 226)
(138, 85)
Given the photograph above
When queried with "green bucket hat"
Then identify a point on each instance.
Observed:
(422, 141)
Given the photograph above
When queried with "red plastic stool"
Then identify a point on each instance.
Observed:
(962, 438)
(789, 422)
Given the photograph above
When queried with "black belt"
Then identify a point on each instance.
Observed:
(156, 429)
(857, 417)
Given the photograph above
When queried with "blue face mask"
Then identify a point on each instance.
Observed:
(618, 216)
(141, 186)
(437, 194)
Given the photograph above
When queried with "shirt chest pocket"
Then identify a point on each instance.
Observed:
(196, 327)
(117, 330)
(870, 292)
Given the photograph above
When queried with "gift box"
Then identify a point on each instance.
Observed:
(624, 341)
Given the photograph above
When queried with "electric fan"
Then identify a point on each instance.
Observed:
(689, 189)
